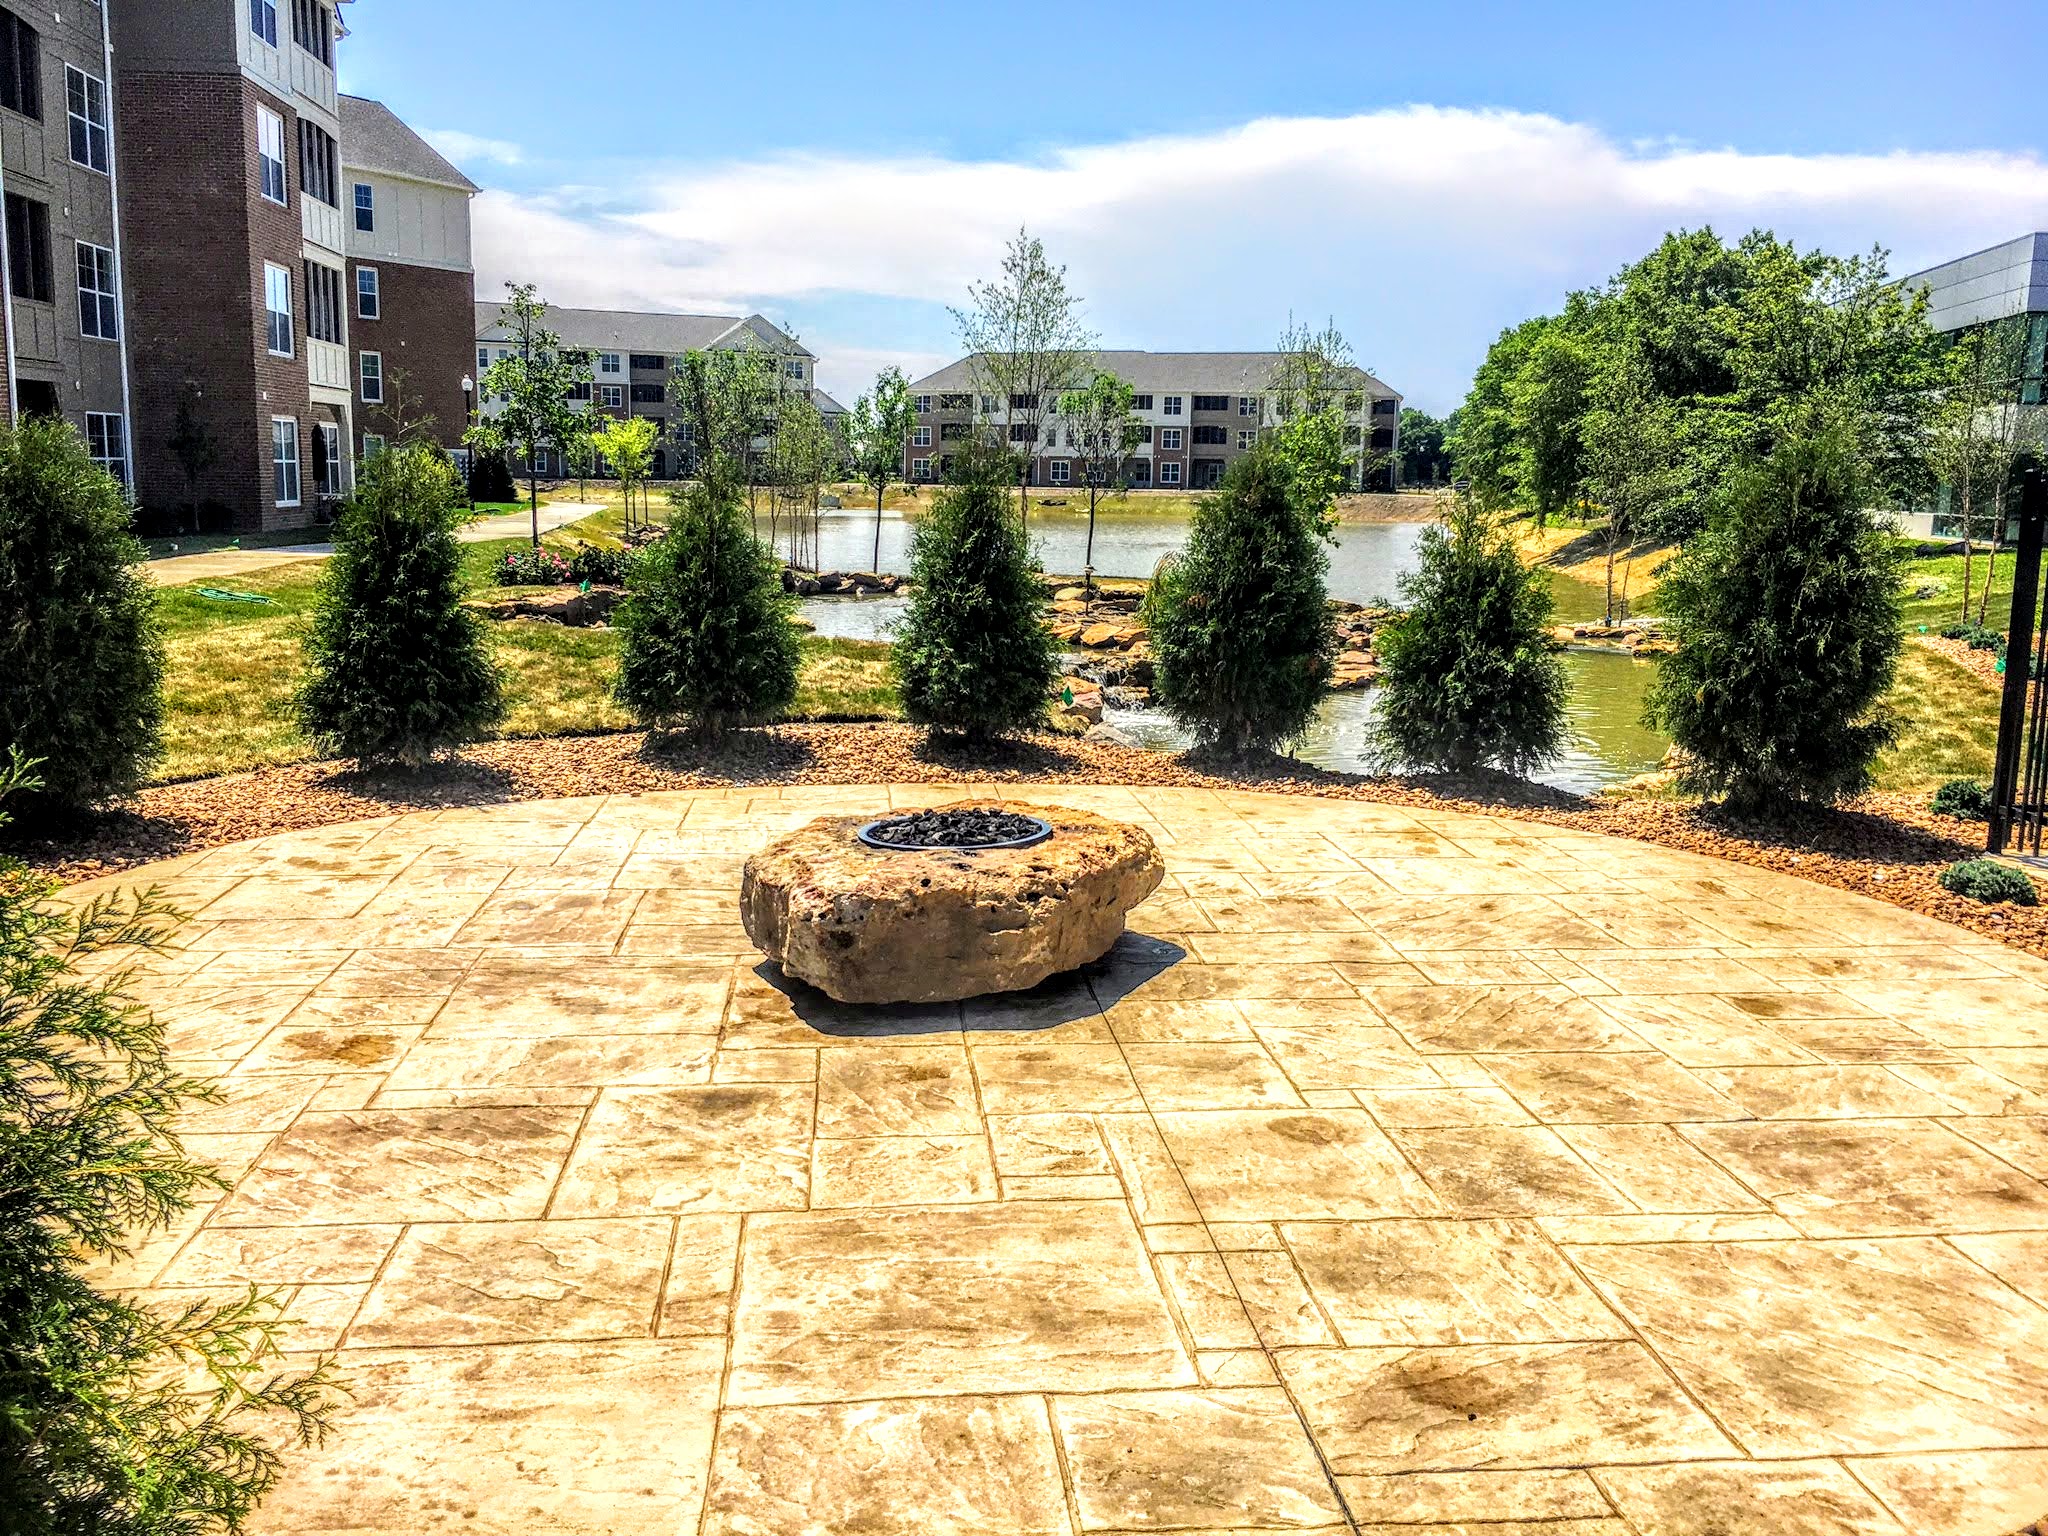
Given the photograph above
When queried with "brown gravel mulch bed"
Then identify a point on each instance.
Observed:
(1889, 847)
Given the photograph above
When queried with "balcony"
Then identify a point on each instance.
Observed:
(313, 80)
(322, 225)
(327, 366)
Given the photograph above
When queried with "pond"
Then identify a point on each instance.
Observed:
(1608, 741)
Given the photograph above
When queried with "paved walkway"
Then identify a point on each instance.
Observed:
(227, 564)
(1401, 1170)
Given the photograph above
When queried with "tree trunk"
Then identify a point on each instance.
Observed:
(533, 492)
(1610, 577)
(1088, 559)
(878, 529)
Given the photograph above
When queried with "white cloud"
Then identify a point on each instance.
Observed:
(469, 147)
(1423, 230)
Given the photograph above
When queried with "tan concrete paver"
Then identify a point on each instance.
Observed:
(1498, 1178)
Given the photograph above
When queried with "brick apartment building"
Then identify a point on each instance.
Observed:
(411, 278)
(61, 240)
(632, 356)
(1196, 411)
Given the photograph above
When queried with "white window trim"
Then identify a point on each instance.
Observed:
(611, 396)
(1169, 473)
(920, 469)
(291, 325)
(1060, 472)
(1169, 432)
(920, 437)
(277, 463)
(264, 10)
(265, 117)
(376, 294)
(117, 464)
(1170, 405)
(356, 208)
(106, 128)
(113, 293)
(373, 443)
(610, 362)
(363, 378)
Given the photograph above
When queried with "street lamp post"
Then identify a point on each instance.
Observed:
(469, 416)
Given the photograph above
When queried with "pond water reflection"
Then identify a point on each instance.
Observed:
(1609, 743)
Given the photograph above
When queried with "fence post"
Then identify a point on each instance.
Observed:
(2019, 657)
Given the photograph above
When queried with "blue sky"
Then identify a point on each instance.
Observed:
(1424, 174)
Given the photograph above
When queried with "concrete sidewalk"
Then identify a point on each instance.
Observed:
(227, 564)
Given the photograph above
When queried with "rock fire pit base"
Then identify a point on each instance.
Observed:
(930, 925)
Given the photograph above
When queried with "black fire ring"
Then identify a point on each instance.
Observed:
(960, 831)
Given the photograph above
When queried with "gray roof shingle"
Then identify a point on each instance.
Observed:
(374, 139)
(625, 330)
(1205, 373)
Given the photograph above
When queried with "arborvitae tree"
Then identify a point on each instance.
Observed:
(1240, 621)
(1788, 621)
(81, 652)
(704, 630)
(974, 656)
(116, 1418)
(1469, 676)
(399, 668)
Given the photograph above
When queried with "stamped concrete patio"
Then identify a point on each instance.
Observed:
(1404, 1169)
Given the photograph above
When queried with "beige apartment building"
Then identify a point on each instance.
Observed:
(1196, 412)
(632, 356)
(66, 322)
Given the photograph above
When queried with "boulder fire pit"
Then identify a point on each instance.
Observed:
(938, 905)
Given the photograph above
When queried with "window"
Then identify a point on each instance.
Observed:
(650, 362)
(284, 460)
(793, 368)
(21, 67)
(311, 30)
(369, 293)
(1354, 400)
(1207, 474)
(1023, 402)
(1169, 473)
(1144, 433)
(373, 444)
(1384, 407)
(366, 208)
(579, 389)
(611, 396)
(28, 249)
(924, 405)
(1248, 405)
(1022, 432)
(1351, 437)
(326, 458)
(483, 364)
(99, 310)
(649, 394)
(920, 469)
(85, 99)
(608, 362)
(277, 300)
(988, 405)
(1212, 402)
(1170, 406)
(323, 303)
(1169, 439)
(373, 378)
(263, 20)
(952, 431)
(1383, 437)
(1248, 438)
(1138, 472)
(921, 437)
(956, 402)
(319, 164)
(1212, 436)
(1061, 470)
(270, 154)
(106, 439)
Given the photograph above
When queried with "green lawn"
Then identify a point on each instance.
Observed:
(232, 668)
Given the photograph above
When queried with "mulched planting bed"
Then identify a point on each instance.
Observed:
(1890, 847)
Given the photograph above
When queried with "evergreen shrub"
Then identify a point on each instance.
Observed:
(81, 649)
(398, 668)
(490, 478)
(973, 656)
(1964, 799)
(1239, 621)
(117, 1417)
(1469, 675)
(1787, 616)
(705, 636)
(1988, 881)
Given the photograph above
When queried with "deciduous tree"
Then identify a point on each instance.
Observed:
(877, 428)
(532, 385)
(1106, 431)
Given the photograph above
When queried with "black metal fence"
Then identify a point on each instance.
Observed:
(2019, 770)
